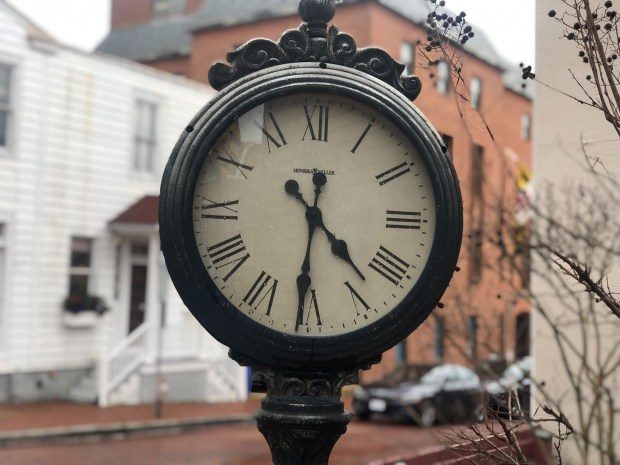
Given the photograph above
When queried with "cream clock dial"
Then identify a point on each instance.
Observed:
(314, 215)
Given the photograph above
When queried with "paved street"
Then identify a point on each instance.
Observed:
(224, 445)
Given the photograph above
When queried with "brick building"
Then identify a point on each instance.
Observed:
(482, 316)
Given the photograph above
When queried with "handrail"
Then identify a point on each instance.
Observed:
(140, 331)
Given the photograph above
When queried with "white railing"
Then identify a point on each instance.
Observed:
(122, 361)
(226, 381)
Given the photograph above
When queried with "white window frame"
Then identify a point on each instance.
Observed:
(476, 91)
(526, 127)
(8, 149)
(136, 168)
(407, 57)
(444, 78)
(81, 270)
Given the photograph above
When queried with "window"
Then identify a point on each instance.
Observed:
(444, 80)
(477, 214)
(80, 271)
(439, 338)
(523, 335)
(476, 92)
(163, 8)
(401, 353)
(407, 57)
(448, 142)
(3, 266)
(6, 75)
(472, 337)
(526, 126)
(145, 142)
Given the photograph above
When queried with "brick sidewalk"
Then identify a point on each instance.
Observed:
(53, 415)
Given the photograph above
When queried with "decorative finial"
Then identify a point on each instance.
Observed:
(317, 11)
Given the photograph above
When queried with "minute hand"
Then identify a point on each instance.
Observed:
(340, 249)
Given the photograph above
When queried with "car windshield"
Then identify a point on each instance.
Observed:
(443, 373)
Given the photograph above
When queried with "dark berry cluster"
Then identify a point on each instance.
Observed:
(594, 31)
(446, 25)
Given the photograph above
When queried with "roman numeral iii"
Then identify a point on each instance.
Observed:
(274, 136)
(265, 286)
(389, 265)
(229, 253)
(323, 123)
(393, 173)
(221, 211)
(403, 220)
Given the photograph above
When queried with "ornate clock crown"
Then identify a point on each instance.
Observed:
(314, 41)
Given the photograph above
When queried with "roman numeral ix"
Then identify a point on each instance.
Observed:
(389, 265)
(403, 220)
(231, 252)
(279, 140)
(220, 211)
(323, 129)
(393, 173)
(265, 286)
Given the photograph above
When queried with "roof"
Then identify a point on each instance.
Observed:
(34, 30)
(162, 38)
(144, 211)
(172, 36)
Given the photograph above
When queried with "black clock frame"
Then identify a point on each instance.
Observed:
(230, 326)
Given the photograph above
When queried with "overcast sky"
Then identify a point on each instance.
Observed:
(84, 23)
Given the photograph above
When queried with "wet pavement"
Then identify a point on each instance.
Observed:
(225, 445)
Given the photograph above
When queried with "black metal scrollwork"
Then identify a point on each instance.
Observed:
(313, 42)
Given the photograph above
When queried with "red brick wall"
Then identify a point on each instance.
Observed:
(129, 12)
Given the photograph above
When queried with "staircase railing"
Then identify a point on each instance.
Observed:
(122, 361)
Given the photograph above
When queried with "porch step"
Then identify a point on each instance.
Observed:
(85, 392)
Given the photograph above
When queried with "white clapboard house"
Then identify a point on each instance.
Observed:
(87, 312)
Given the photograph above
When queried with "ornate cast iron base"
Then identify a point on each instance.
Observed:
(302, 430)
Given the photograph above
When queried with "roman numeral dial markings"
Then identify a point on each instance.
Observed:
(314, 305)
(361, 139)
(320, 132)
(403, 220)
(221, 210)
(230, 254)
(358, 302)
(263, 291)
(227, 158)
(274, 136)
(393, 173)
(389, 265)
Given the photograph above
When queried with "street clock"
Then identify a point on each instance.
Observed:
(310, 215)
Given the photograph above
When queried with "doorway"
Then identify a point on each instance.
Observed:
(139, 273)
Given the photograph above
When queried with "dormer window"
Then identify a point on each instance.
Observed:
(163, 8)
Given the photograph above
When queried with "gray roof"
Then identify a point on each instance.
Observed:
(150, 41)
(170, 37)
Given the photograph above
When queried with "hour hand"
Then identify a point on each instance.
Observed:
(341, 250)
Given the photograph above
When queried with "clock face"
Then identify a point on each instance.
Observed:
(314, 215)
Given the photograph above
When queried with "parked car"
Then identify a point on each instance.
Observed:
(447, 393)
(510, 395)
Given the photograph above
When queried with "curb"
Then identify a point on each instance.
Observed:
(113, 431)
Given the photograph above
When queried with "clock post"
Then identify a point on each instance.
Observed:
(232, 219)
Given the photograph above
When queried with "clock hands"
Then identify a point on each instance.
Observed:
(314, 215)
